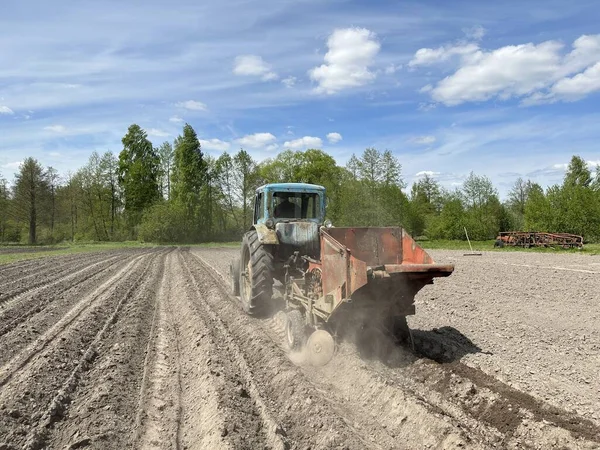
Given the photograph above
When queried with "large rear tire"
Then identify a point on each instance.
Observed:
(256, 275)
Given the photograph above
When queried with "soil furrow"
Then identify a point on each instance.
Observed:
(494, 414)
(158, 418)
(30, 380)
(21, 269)
(24, 285)
(102, 409)
(35, 300)
(304, 417)
(247, 423)
(68, 394)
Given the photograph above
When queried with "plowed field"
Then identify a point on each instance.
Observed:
(146, 348)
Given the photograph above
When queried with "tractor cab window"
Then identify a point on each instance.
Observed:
(259, 209)
(295, 205)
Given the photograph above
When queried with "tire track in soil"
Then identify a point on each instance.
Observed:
(490, 412)
(306, 416)
(235, 413)
(36, 383)
(103, 404)
(35, 300)
(159, 409)
(365, 403)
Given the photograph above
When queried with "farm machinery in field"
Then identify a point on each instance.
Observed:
(329, 279)
(527, 239)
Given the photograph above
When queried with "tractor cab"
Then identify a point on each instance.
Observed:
(289, 215)
(288, 202)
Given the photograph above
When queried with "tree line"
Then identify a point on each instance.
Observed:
(177, 193)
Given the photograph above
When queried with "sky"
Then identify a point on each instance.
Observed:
(503, 89)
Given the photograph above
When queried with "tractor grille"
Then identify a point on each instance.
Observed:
(303, 236)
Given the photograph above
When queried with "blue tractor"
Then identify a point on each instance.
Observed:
(287, 218)
(326, 276)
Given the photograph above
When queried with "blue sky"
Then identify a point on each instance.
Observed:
(504, 89)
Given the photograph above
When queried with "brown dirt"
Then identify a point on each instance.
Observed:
(146, 349)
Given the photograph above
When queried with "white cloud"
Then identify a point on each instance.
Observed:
(176, 119)
(304, 143)
(476, 33)
(157, 133)
(56, 128)
(351, 53)
(192, 105)
(423, 140)
(13, 165)
(536, 73)
(253, 65)
(215, 144)
(334, 138)
(430, 56)
(289, 81)
(426, 106)
(592, 164)
(578, 86)
(392, 68)
(6, 110)
(256, 140)
(428, 173)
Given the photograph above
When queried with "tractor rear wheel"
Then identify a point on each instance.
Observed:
(256, 275)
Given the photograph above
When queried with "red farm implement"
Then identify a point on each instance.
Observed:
(527, 239)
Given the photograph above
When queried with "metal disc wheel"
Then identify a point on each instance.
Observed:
(320, 348)
(294, 330)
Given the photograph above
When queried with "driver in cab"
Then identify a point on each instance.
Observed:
(285, 209)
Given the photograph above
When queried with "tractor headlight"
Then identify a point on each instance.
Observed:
(270, 223)
(327, 223)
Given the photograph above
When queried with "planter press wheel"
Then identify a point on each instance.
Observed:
(320, 348)
(294, 330)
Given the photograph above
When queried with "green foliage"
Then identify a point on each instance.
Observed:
(371, 191)
(138, 173)
(573, 207)
(31, 188)
(165, 222)
(177, 194)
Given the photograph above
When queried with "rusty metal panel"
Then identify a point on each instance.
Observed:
(413, 253)
(375, 246)
(335, 264)
(434, 270)
(378, 268)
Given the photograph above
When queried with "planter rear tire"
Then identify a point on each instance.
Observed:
(295, 330)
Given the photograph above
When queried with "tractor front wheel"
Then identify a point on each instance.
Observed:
(256, 275)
